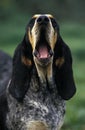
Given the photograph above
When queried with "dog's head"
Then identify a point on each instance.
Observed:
(43, 46)
(42, 32)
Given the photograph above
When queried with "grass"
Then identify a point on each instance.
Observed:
(11, 35)
(75, 116)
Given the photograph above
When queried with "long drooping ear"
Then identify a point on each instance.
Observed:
(63, 70)
(22, 67)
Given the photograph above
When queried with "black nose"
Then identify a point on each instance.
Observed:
(43, 19)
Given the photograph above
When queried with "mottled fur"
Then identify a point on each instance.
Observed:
(40, 105)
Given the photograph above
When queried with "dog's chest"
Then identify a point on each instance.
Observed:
(38, 104)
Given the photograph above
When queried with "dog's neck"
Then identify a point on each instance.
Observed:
(45, 73)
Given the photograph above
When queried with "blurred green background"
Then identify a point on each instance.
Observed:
(15, 14)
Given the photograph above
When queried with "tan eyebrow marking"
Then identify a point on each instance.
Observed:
(49, 15)
(37, 15)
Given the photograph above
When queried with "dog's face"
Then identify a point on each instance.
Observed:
(42, 33)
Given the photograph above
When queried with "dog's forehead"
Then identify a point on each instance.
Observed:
(38, 15)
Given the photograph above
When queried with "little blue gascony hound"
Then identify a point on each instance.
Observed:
(42, 79)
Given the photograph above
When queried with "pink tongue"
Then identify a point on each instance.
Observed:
(43, 52)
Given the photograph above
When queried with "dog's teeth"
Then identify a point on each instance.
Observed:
(51, 52)
(36, 54)
(48, 55)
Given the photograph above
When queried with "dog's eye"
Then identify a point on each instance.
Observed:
(31, 22)
(54, 24)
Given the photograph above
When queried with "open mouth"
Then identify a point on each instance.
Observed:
(43, 52)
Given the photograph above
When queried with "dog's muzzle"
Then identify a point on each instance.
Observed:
(43, 51)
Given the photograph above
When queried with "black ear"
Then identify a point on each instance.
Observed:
(22, 67)
(63, 70)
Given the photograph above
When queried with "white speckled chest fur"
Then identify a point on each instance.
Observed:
(40, 105)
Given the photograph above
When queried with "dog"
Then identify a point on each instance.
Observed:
(5, 70)
(42, 78)
(5, 75)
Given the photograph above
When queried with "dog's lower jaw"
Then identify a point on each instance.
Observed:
(45, 72)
